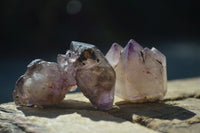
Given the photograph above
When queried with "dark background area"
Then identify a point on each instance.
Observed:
(32, 29)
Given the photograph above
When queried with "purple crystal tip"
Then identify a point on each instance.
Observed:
(133, 46)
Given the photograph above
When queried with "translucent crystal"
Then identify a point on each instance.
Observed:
(113, 54)
(66, 62)
(92, 73)
(44, 83)
(140, 73)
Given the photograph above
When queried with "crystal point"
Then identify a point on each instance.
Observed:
(133, 45)
(140, 73)
(113, 54)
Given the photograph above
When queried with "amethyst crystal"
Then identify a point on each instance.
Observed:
(91, 72)
(44, 83)
(140, 73)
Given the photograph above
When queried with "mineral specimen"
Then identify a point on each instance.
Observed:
(140, 73)
(92, 72)
(44, 83)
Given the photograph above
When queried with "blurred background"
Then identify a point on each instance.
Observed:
(32, 29)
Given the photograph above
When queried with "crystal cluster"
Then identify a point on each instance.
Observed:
(92, 73)
(133, 73)
(44, 83)
(140, 73)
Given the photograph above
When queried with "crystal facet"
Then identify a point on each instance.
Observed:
(140, 73)
(44, 83)
(113, 54)
(92, 72)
